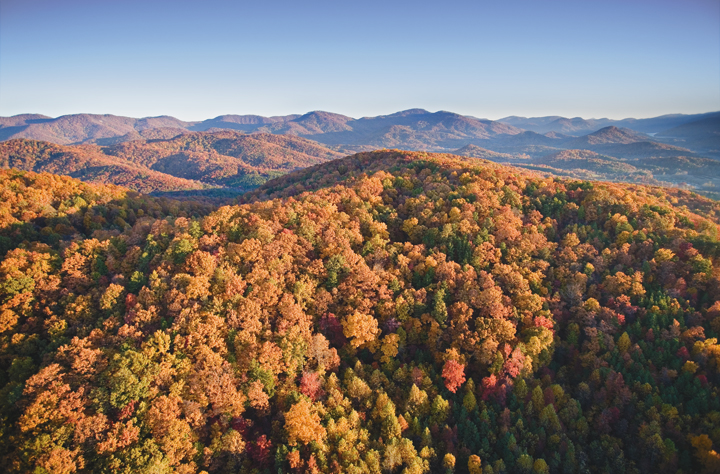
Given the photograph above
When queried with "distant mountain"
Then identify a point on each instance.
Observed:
(223, 158)
(88, 164)
(606, 135)
(664, 122)
(586, 160)
(246, 123)
(531, 138)
(22, 120)
(10, 126)
(83, 128)
(410, 129)
(188, 161)
(579, 126)
(639, 150)
(474, 151)
(413, 129)
(567, 126)
(702, 135)
(532, 123)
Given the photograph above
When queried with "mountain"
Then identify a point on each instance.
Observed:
(529, 138)
(663, 122)
(601, 166)
(388, 311)
(22, 120)
(246, 123)
(224, 158)
(171, 147)
(607, 135)
(532, 123)
(579, 126)
(88, 164)
(474, 151)
(186, 161)
(313, 123)
(414, 129)
(567, 126)
(83, 128)
(700, 135)
(624, 143)
(10, 126)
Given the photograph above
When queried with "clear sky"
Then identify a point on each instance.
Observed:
(199, 59)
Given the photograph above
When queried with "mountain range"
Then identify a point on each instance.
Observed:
(385, 312)
(410, 129)
(231, 154)
(580, 126)
(191, 161)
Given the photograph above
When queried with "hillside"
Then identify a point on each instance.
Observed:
(474, 151)
(88, 164)
(83, 128)
(223, 158)
(246, 123)
(384, 312)
(607, 135)
(186, 161)
(580, 126)
(587, 160)
(157, 144)
(700, 135)
(413, 129)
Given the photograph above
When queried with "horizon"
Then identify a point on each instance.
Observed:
(670, 114)
(183, 59)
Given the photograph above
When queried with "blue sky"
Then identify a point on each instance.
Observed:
(196, 60)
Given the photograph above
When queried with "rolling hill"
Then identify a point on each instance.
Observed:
(578, 126)
(413, 129)
(701, 135)
(189, 161)
(389, 311)
(474, 151)
(88, 164)
(83, 128)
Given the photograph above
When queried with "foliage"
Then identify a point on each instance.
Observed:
(386, 312)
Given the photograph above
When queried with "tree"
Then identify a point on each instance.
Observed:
(454, 375)
(474, 464)
(360, 328)
(302, 424)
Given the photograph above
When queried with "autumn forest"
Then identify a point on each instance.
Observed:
(387, 312)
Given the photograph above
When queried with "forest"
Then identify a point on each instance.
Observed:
(387, 312)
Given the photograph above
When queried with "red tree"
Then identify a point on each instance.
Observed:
(454, 375)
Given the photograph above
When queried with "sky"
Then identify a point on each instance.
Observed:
(199, 59)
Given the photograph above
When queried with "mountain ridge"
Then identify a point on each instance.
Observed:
(409, 129)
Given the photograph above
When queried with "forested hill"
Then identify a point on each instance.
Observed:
(385, 312)
(220, 160)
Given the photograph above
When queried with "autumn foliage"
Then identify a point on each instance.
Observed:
(386, 312)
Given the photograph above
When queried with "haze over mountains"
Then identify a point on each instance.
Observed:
(240, 152)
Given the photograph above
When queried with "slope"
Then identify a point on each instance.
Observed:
(88, 164)
(700, 135)
(85, 128)
(579, 126)
(224, 158)
(186, 161)
(381, 312)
